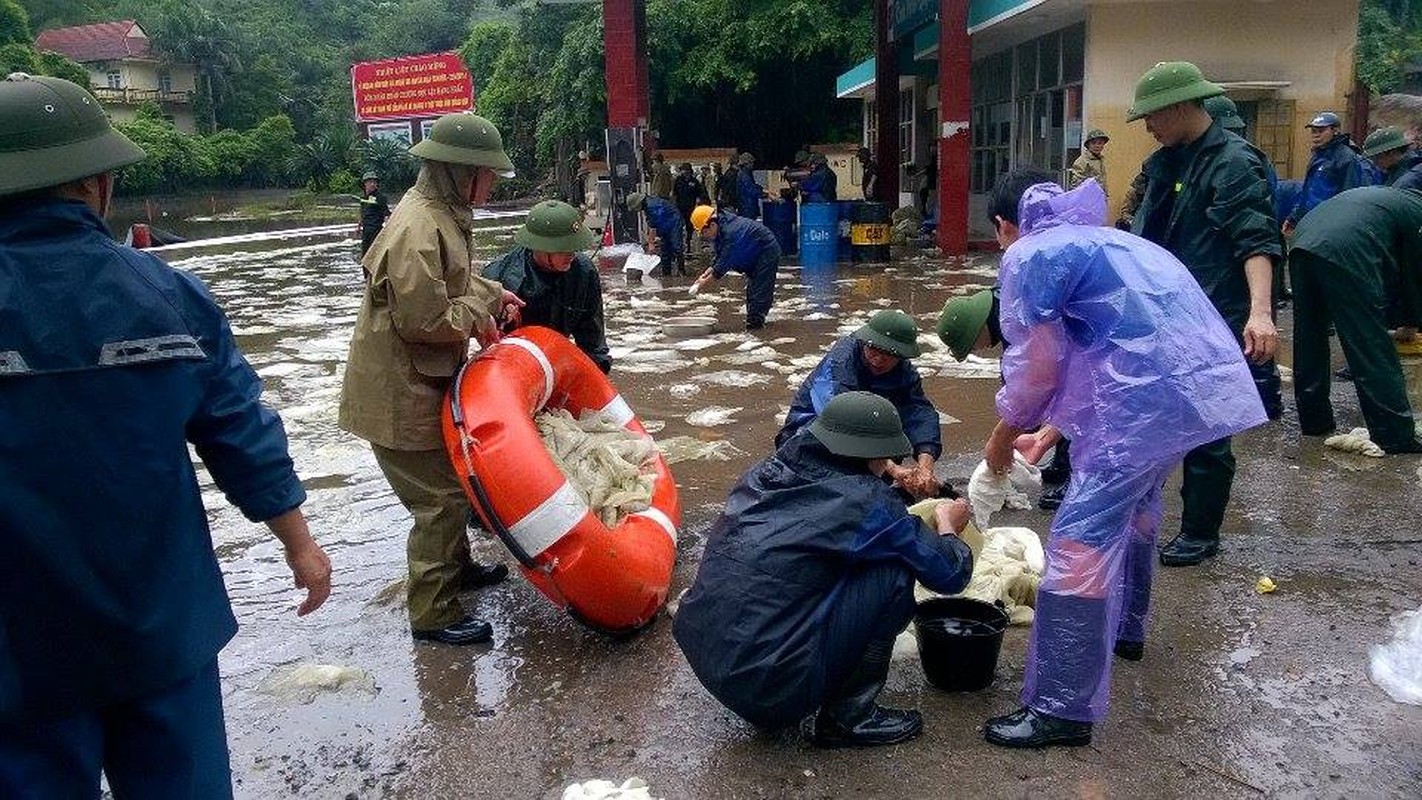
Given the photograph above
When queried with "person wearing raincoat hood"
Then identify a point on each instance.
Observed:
(1114, 344)
(422, 305)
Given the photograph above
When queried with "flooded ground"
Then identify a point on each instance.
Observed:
(1240, 694)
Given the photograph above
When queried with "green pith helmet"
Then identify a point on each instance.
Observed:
(1382, 140)
(891, 331)
(817, 159)
(745, 160)
(861, 425)
(1168, 83)
(554, 227)
(1094, 134)
(802, 156)
(635, 201)
(53, 132)
(962, 320)
(1225, 112)
(465, 138)
(372, 175)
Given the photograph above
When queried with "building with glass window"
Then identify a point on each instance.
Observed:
(1045, 71)
(124, 72)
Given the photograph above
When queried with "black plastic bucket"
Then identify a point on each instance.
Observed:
(958, 642)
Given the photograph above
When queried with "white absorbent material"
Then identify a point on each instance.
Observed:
(303, 681)
(630, 789)
(988, 493)
(677, 449)
(1355, 441)
(611, 468)
(1396, 667)
(1009, 569)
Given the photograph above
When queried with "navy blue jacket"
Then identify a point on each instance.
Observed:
(795, 529)
(111, 363)
(669, 224)
(741, 244)
(843, 370)
(1335, 167)
(1407, 174)
(820, 186)
(750, 193)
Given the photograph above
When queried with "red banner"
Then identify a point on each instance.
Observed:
(413, 86)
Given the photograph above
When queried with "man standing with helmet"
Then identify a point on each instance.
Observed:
(373, 210)
(1206, 200)
(111, 364)
(422, 305)
(556, 281)
(1397, 164)
(1092, 162)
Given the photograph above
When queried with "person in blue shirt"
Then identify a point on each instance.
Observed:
(111, 364)
(668, 224)
(876, 358)
(1336, 166)
(820, 185)
(749, 192)
(808, 575)
(745, 246)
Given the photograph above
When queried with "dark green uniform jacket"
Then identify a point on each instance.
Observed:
(568, 302)
(1208, 203)
(1375, 234)
(1407, 174)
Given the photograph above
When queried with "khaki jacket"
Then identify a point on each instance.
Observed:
(1085, 167)
(422, 303)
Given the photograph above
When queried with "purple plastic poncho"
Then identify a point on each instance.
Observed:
(1113, 341)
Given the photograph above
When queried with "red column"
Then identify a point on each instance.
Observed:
(624, 39)
(955, 100)
(886, 108)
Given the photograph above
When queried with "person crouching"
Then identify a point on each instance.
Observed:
(786, 618)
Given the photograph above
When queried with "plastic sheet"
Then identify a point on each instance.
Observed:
(1113, 341)
(302, 682)
(1396, 667)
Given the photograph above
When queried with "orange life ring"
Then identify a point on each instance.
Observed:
(613, 580)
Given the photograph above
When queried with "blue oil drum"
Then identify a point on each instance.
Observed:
(779, 217)
(819, 233)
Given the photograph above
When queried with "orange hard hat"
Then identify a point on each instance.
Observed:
(701, 215)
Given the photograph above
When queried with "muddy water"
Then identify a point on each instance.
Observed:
(548, 702)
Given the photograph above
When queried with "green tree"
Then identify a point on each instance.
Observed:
(1389, 41)
(175, 161)
(60, 66)
(273, 144)
(230, 153)
(188, 32)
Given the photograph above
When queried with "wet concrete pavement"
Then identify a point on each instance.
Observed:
(1240, 694)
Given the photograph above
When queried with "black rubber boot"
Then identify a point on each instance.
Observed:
(1051, 497)
(851, 718)
(1028, 728)
(1130, 651)
(466, 631)
(1187, 551)
(477, 576)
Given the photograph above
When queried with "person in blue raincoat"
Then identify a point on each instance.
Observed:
(808, 576)
(820, 185)
(112, 364)
(670, 227)
(1114, 344)
(742, 245)
(749, 192)
(875, 359)
(1336, 166)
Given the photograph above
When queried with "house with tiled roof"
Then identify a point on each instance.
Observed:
(124, 72)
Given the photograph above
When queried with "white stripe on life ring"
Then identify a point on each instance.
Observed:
(618, 411)
(542, 527)
(658, 516)
(543, 362)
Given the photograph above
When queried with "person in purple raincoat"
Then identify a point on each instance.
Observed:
(1113, 344)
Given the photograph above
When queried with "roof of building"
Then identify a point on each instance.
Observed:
(102, 41)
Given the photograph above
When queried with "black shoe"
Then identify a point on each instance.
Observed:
(477, 576)
(1130, 651)
(1344, 374)
(1187, 551)
(849, 716)
(755, 326)
(1028, 728)
(882, 726)
(1051, 498)
(466, 631)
